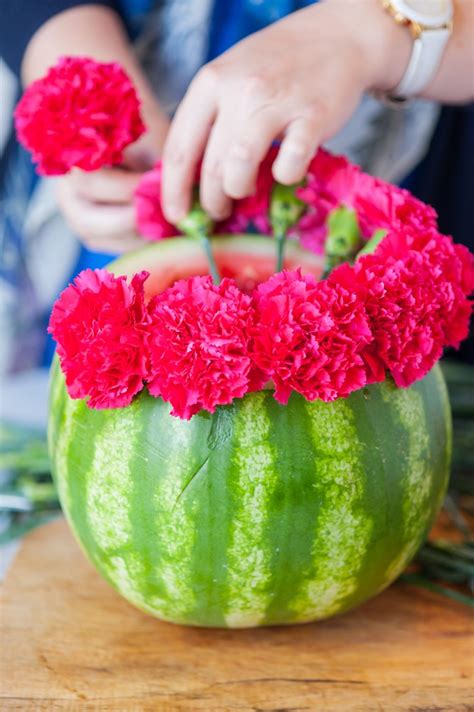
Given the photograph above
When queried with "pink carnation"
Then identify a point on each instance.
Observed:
(100, 324)
(416, 300)
(330, 182)
(333, 181)
(82, 113)
(309, 337)
(448, 269)
(151, 222)
(199, 352)
(380, 205)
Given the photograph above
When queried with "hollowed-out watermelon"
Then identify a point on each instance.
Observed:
(259, 514)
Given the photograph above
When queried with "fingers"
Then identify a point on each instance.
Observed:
(108, 185)
(102, 227)
(212, 196)
(185, 144)
(298, 147)
(253, 141)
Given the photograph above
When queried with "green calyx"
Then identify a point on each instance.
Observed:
(196, 222)
(343, 238)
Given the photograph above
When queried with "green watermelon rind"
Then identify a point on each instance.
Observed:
(259, 514)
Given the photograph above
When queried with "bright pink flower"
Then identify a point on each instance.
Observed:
(309, 337)
(100, 324)
(333, 181)
(330, 182)
(448, 271)
(416, 301)
(82, 113)
(381, 205)
(151, 223)
(199, 351)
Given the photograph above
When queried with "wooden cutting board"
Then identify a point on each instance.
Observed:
(71, 643)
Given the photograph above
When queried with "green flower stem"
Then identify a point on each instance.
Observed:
(207, 247)
(280, 237)
(198, 225)
(285, 210)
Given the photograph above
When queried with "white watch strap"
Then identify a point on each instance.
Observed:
(424, 61)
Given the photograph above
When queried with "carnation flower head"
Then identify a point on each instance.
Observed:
(100, 324)
(309, 337)
(448, 273)
(199, 350)
(150, 220)
(381, 205)
(82, 114)
(414, 290)
(333, 181)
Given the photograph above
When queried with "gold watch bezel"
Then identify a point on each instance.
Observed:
(415, 28)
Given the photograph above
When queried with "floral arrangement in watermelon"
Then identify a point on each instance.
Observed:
(312, 446)
(396, 291)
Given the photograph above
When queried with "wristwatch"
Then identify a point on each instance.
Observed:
(430, 23)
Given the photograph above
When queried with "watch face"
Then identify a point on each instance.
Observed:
(432, 13)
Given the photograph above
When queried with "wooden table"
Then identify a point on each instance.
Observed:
(70, 643)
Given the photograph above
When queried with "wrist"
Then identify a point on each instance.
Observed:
(383, 47)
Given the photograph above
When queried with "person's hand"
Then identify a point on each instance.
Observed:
(299, 79)
(98, 206)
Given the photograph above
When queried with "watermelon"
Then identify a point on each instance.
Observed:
(259, 514)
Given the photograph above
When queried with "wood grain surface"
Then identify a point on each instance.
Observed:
(71, 643)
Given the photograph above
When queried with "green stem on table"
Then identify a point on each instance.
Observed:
(417, 580)
(198, 225)
(285, 210)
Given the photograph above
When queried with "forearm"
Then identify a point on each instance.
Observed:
(90, 30)
(454, 81)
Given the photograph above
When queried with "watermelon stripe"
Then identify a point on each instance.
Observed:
(109, 487)
(180, 454)
(409, 406)
(144, 553)
(294, 507)
(383, 495)
(77, 462)
(252, 482)
(338, 551)
(214, 514)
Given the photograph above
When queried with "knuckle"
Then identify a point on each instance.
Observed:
(213, 171)
(257, 87)
(175, 153)
(208, 76)
(245, 150)
(318, 110)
